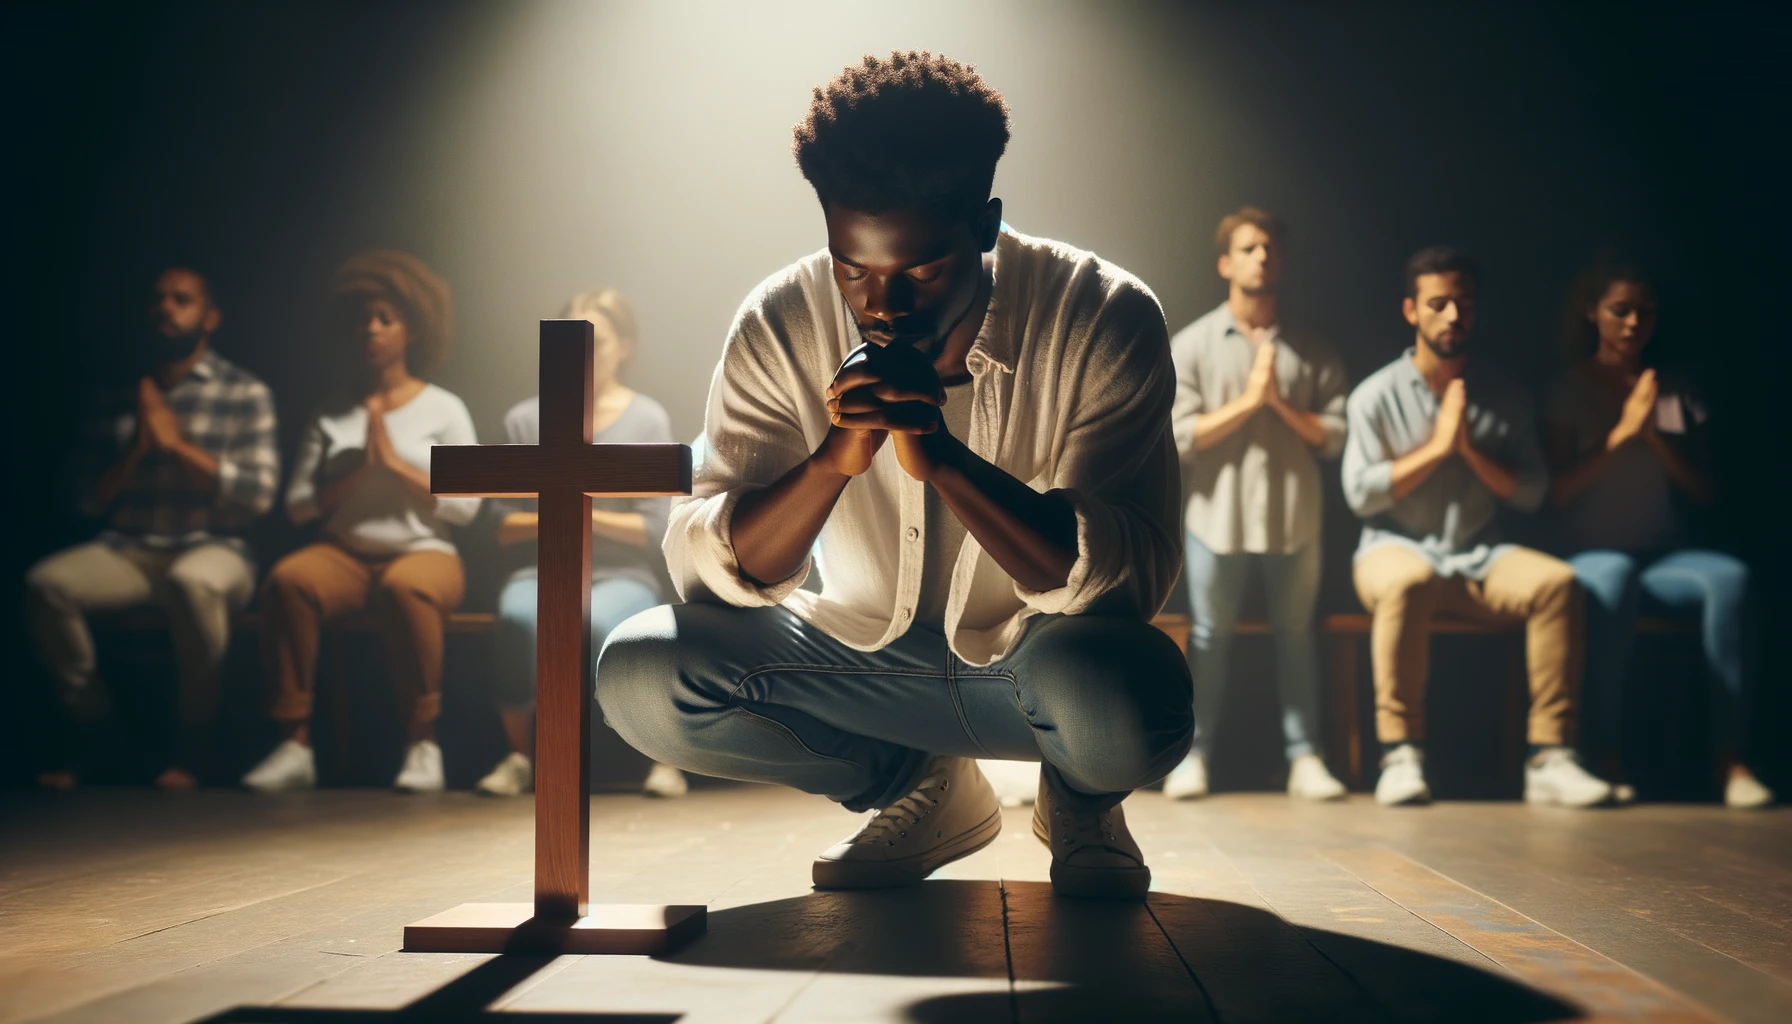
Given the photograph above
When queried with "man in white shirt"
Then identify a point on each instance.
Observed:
(1255, 403)
(976, 425)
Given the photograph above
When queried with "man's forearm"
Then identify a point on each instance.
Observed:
(627, 527)
(775, 528)
(1213, 427)
(1498, 478)
(199, 464)
(1032, 536)
(1308, 425)
(1411, 470)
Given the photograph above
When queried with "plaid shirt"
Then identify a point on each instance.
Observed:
(227, 412)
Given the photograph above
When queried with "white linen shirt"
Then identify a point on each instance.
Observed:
(1072, 389)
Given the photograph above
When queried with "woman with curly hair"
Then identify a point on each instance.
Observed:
(1626, 446)
(363, 473)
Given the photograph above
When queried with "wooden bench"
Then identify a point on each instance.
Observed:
(1342, 701)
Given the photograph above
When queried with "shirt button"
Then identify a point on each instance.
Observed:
(913, 533)
(906, 612)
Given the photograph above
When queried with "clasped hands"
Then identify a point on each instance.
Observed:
(884, 391)
(380, 452)
(157, 426)
(1450, 431)
(1638, 418)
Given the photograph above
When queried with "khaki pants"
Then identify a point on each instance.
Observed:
(199, 587)
(410, 597)
(1402, 593)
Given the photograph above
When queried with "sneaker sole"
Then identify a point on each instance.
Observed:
(886, 874)
(1555, 800)
(1128, 884)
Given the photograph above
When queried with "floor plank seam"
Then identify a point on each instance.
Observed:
(1008, 954)
(1213, 1011)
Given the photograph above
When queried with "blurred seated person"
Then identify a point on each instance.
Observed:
(625, 542)
(1625, 446)
(1437, 443)
(181, 468)
(363, 473)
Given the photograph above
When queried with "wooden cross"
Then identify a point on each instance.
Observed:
(562, 473)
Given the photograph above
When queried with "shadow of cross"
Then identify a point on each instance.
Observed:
(563, 472)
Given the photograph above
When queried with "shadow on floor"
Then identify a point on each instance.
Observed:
(1173, 958)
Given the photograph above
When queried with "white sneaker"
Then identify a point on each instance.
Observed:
(422, 771)
(1093, 854)
(1308, 779)
(1402, 781)
(1554, 776)
(292, 765)
(1744, 792)
(665, 781)
(1188, 780)
(1015, 782)
(514, 776)
(953, 813)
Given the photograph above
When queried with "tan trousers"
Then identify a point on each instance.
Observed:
(1402, 593)
(410, 597)
(199, 587)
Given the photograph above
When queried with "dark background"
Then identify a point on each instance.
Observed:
(528, 151)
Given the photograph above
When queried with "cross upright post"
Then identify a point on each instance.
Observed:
(563, 472)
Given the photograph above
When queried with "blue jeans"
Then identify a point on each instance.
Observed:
(758, 694)
(1710, 583)
(1215, 594)
(612, 601)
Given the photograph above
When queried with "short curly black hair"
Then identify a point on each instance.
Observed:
(913, 130)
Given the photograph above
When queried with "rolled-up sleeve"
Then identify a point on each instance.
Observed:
(1118, 467)
(1189, 404)
(751, 437)
(301, 490)
(1368, 470)
(1331, 390)
(249, 465)
(457, 428)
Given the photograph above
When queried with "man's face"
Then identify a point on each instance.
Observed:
(909, 275)
(1254, 262)
(181, 309)
(1443, 312)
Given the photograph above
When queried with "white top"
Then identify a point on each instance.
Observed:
(1071, 391)
(382, 516)
(944, 534)
(1258, 489)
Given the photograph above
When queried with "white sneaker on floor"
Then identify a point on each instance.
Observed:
(1402, 781)
(1744, 792)
(1093, 853)
(1308, 779)
(1623, 794)
(953, 813)
(1554, 776)
(1188, 780)
(292, 765)
(422, 771)
(514, 776)
(665, 782)
(1015, 782)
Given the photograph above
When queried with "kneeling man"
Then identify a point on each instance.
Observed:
(976, 425)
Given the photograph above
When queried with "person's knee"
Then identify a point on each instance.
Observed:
(203, 586)
(1609, 578)
(1727, 582)
(638, 677)
(1119, 695)
(1557, 588)
(46, 584)
(1395, 590)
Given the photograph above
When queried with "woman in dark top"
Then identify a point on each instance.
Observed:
(625, 542)
(1625, 446)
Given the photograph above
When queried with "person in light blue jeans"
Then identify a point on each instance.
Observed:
(1626, 445)
(1257, 406)
(625, 543)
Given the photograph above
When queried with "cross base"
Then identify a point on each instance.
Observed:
(606, 929)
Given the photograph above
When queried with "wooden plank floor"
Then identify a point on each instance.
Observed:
(146, 907)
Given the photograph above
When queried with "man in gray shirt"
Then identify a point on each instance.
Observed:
(1435, 448)
(1254, 405)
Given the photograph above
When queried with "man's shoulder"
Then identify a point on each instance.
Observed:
(1085, 299)
(791, 293)
(229, 375)
(1203, 329)
(522, 422)
(1378, 384)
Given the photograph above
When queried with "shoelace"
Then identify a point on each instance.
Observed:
(1078, 830)
(893, 822)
